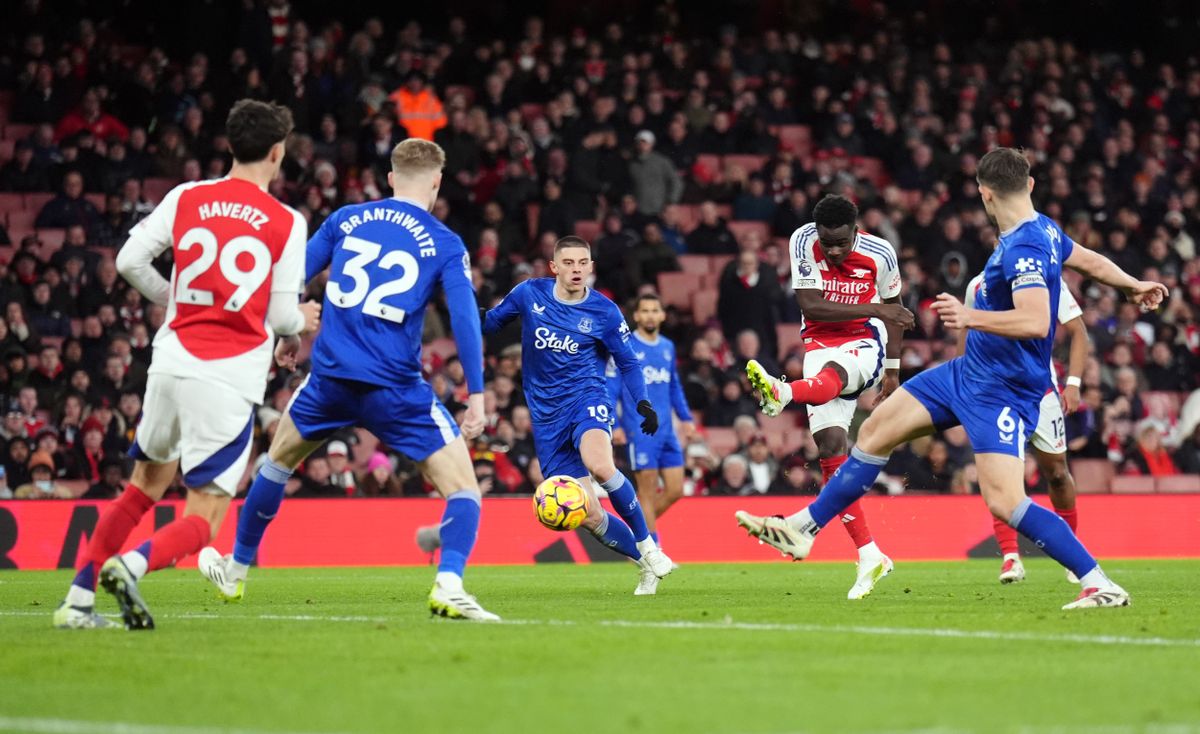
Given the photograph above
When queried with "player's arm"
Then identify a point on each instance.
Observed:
(1147, 294)
(616, 339)
(679, 403)
(810, 295)
(288, 317)
(147, 240)
(464, 322)
(1075, 363)
(888, 285)
(1029, 318)
(612, 382)
(508, 309)
(319, 252)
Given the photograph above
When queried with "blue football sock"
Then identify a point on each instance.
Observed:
(460, 526)
(625, 501)
(616, 535)
(654, 534)
(262, 503)
(850, 483)
(1053, 535)
(86, 578)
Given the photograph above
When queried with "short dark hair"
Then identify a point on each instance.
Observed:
(1003, 170)
(253, 127)
(571, 241)
(835, 211)
(646, 297)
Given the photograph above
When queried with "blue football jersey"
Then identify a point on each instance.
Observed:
(1029, 255)
(385, 259)
(663, 387)
(565, 346)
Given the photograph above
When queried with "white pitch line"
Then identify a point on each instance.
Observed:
(840, 629)
(37, 725)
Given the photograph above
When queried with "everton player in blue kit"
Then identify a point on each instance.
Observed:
(385, 259)
(660, 454)
(993, 390)
(568, 332)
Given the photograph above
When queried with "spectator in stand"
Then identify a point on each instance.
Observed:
(379, 480)
(760, 464)
(48, 379)
(748, 346)
(748, 298)
(69, 206)
(47, 443)
(1167, 371)
(23, 173)
(652, 256)
(418, 108)
(794, 477)
(1149, 457)
(41, 483)
(16, 464)
(711, 236)
(111, 484)
(933, 471)
(340, 474)
(1187, 456)
(656, 183)
(317, 479)
(734, 479)
(733, 402)
(89, 450)
(755, 203)
(44, 317)
(90, 117)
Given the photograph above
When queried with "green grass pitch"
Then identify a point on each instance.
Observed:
(728, 649)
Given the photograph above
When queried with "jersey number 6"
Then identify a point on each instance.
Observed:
(355, 268)
(245, 282)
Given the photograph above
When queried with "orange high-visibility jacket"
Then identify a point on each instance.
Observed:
(421, 114)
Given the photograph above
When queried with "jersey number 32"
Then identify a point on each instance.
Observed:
(371, 299)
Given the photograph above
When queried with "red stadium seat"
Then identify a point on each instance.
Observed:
(871, 169)
(12, 202)
(740, 228)
(1184, 483)
(696, 264)
(35, 202)
(704, 307)
(97, 201)
(18, 131)
(789, 339)
(589, 229)
(709, 161)
(6, 150)
(795, 137)
(20, 219)
(722, 441)
(677, 289)
(749, 163)
(686, 216)
(1133, 485)
(719, 262)
(154, 189)
(1092, 476)
(52, 242)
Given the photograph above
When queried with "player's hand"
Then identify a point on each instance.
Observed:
(687, 431)
(618, 437)
(1147, 294)
(312, 316)
(650, 418)
(891, 381)
(894, 313)
(1070, 399)
(475, 418)
(287, 351)
(952, 311)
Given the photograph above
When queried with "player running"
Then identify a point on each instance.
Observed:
(568, 332)
(239, 264)
(385, 259)
(993, 390)
(1050, 437)
(659, 455)
(848, 286)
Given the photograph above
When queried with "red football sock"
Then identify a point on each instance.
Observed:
(818, 390)
(1006, 536)
(853, 518)
(175, 541)
(117, 521)
(1071, 517)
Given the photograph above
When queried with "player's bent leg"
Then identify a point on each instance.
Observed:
(117, 520)
(1062, 490)
(648, 492)
(450, 470)
(595, 449)
(1000, 481)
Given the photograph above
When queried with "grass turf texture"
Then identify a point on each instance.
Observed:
(750, 648)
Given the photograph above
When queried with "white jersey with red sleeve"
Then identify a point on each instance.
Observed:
(234, 245)
(869, 274)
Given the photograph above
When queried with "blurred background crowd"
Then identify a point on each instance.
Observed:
(685, 144)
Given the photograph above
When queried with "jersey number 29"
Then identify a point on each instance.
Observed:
(365, 253)
(245, 282)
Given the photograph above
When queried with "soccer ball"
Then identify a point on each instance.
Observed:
(560, 503)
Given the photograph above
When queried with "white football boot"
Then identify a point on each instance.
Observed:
(1071, 577)
(1096, 597)
(777, 532)
(654, 559)
(68, 617)
(869, 570)
(216, 568)
(647, 580)
(1013, 570)
(457, 604)
(773, 394)
(118, 580)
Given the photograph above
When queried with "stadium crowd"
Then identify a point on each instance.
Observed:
(690, 155)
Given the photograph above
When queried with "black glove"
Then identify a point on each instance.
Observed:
(650, 418)
(482, 314)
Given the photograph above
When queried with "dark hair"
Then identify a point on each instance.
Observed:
(1004, 170)
(835, 211)
(571, 241)
(646, 297)
(253, 127)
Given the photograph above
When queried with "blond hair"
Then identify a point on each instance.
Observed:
(416, 156)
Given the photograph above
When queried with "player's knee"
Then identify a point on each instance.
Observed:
(831, 446)
(868, 436)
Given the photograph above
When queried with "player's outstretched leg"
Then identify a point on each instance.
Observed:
(1011, 568)
(872, 564)
(775, 394)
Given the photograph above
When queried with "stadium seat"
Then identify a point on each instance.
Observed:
(710, 281)
(795, 137)
(52, 242)
(871, 169)
(788, 337)
(749, 163)
(12, 202)
(18, 131)
(704, 307)
(1184, 483)
(6, 150)
(686, 216)
(97, 201)
(740, 228)
(1092, 476)
(722, 441)
(696, 264)
(155, 188)
(588, 229)
(719, 262)
(1132, 485)
(22, 220)
(709, 161)
(35, 202)
(677, 289)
